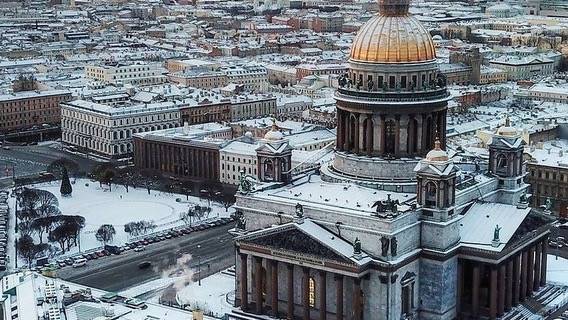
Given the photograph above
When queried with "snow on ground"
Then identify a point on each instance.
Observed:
(117, 207)
(557, 270)
(211, 296)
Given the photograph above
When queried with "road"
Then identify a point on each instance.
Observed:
(214, 247)
(29, 160)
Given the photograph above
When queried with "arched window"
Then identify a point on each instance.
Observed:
(431, 194)
(407, 292)
(429, 139)
(501, 163)
(368, 135)
(352, 132)
(312, 292)
(412, 136)
(268, 170)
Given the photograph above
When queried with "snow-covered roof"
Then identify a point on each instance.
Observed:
(345, 197)
(478, 225)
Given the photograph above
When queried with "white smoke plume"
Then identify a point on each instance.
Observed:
(181, 272)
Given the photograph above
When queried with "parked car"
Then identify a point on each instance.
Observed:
(139, 249)
(69, 261)
(81, 262)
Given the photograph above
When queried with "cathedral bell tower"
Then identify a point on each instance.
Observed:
(436, 179)
(506, 157)
(274, 157)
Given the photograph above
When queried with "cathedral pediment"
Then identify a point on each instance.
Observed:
(305, 241)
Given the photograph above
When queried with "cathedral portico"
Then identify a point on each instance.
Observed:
(296, 291)
(490, 289)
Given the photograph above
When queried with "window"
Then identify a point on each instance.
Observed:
(431, 193)
(407, 284)
(312, 292)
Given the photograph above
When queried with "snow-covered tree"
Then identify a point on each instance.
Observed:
(66, 188)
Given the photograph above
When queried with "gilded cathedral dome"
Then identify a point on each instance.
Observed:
(393, 36)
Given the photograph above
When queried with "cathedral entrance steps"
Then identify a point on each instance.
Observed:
(230, 271)
(238, 314)
(550, 295)
(514, 314)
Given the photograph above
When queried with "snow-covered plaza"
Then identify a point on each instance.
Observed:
(99, 205)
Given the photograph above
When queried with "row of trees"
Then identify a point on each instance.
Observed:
(39, 214)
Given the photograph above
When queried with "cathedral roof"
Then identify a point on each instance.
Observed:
(393, 36)
(477, 227)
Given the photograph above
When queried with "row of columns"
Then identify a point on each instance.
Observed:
(271, 306)
(510, 282)
(396, 135)
(183, 161)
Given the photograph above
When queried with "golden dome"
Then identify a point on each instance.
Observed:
(393, 36)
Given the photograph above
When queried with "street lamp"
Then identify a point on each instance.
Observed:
(199, 267)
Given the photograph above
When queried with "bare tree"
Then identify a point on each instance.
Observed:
(105, 233)
(28, 250)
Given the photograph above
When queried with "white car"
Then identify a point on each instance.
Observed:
(79, 263)
(139, 248)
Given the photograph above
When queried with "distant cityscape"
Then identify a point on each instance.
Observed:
(314, 160)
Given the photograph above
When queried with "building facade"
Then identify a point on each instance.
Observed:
(121, 73)
(106, 130)
(26, 109)
(185, 159)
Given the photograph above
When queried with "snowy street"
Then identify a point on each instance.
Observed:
(212, 247)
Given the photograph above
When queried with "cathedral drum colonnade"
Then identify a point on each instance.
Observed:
(392, 103)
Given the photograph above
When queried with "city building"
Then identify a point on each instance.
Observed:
(126, 73)
(31, 295)
(27, 109)
(547, 173)
(523, 68)
(253, 77)
(107, 130)
(248, 106)
(188, 152)
(391, 228)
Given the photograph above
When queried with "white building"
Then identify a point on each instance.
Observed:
(122, 73)
(292, 105)
(252, 77)
(32, 296)
(107, 130)
(236, 157)
(252, 106)
(524, 68)
(547, 91)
